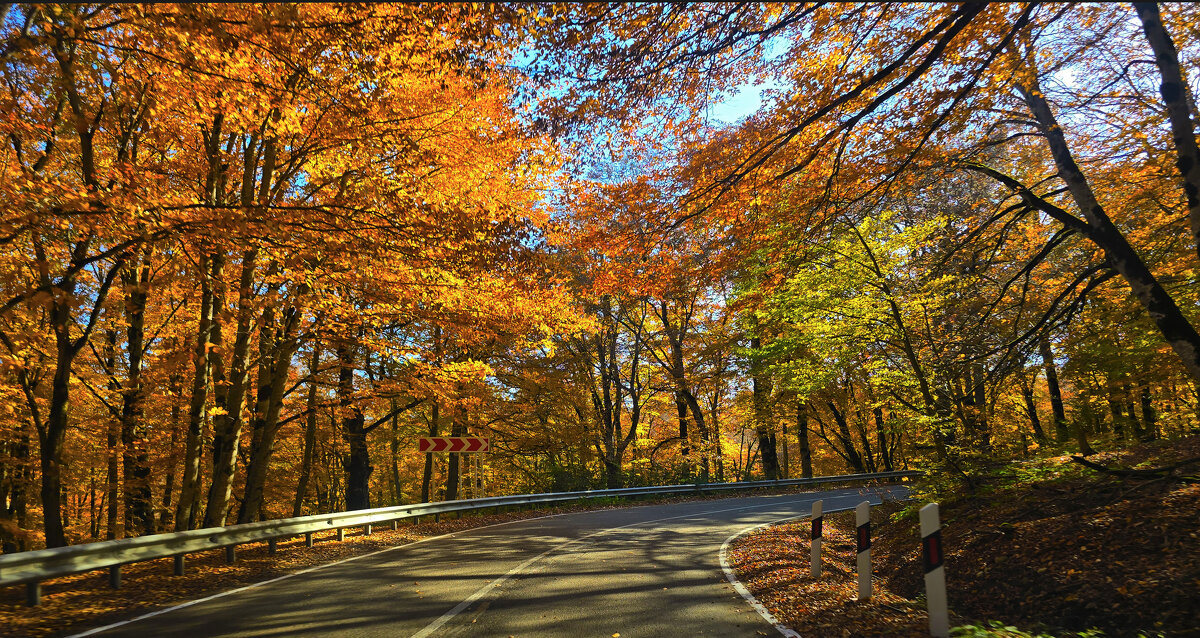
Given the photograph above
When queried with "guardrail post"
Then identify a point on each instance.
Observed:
(395, 525)
(862, 518)
(270, 545)
(935, 573)
(437, 518)
(114, 576)
(179, 565)
(33, 594)
(367, 530)
(815, 544)
(308, 541)
(341, 534)
(230, 554)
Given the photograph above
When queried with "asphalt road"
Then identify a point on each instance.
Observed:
(639, 571)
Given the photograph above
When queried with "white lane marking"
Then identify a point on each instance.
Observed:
(788, 632)
(483, 591)
(159, 612)
(152, 614)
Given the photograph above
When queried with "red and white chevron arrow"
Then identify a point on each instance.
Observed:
(454, 444)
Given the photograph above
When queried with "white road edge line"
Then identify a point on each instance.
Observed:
(437, 623)
(788, 632)
(306, 570)
(483, 591)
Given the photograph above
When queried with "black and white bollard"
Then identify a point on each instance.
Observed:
(862, 518)
(935, 573)
(815, 545)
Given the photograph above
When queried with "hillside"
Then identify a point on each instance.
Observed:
(1047, 546)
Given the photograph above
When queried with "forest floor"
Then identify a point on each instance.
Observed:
(1047, 547)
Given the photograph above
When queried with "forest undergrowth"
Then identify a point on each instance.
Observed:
(1046, 548)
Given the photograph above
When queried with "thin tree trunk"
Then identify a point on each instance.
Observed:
(1056, 400)
(310, 432)
(806, 467)
(1031, 410)
(211, 272)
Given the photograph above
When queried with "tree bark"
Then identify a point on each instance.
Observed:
(135, 455)
(1176, 95)
(310, 432)
(1056, 401)
(211, 272)
(1179, 333)
(806, 467)
(230, 394)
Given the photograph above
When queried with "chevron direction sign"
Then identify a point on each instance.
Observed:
(454, 444)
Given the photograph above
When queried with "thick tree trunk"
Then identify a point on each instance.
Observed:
(1149, 414)
(849, 453)
(227, 424)
(1179, 333)
(281, 346)
(1176, 96)
(358, 460)
(135, 454)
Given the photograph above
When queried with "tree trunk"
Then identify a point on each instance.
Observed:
(1149, 414)
(1179, 333)
(281, 346)
(227, 424)
(135, 454)
(310, 432)
(358, 460)
(1056, 401)
(427, 475)
(1031, 410)
(806, 467)
(1175, 94)
(881, 436)
(764, 427)
(211, 272)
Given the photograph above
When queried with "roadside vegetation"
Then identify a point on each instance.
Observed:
(1044, 547)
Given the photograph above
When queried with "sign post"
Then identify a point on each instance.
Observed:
(815, 544)
(935, 573)
(862, 518)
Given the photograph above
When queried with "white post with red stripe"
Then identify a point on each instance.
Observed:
(815, 544)
(935, 573)
(862, 518)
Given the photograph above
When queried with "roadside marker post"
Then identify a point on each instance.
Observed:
(862, 518)
(815, 544)
(935, 572)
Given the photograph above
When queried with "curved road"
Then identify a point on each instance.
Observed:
(640, 571)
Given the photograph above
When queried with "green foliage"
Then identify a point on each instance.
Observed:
(997, 629)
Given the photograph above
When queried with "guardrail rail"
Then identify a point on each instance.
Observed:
(31, 568)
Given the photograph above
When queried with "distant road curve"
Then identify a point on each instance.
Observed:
(652, 570)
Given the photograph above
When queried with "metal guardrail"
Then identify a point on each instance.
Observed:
(30, 568)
